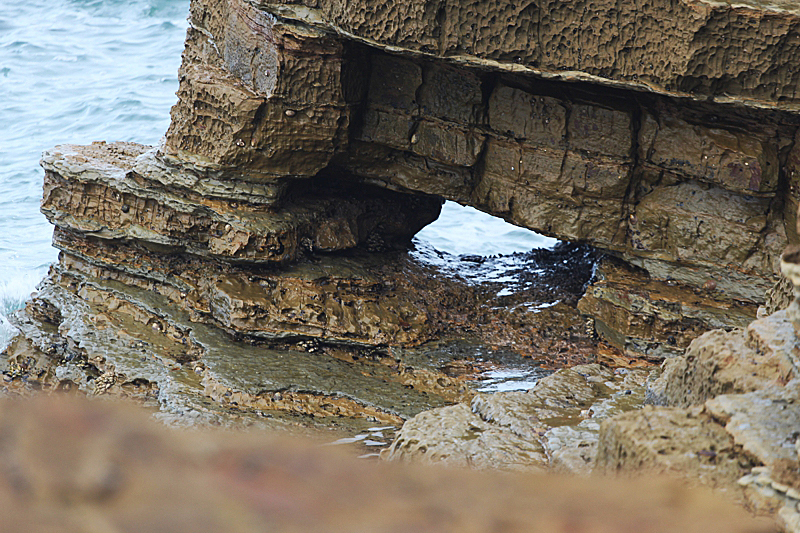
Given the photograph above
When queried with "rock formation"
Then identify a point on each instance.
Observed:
(727, 415)
(313, 128)
(560, 129)
(253, 269)
(552, 426)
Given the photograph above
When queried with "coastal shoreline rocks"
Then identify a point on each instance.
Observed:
(552, 426)
(254, 269)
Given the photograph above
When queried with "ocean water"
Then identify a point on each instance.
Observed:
(73, 71)
(462, 230)
(77, 71)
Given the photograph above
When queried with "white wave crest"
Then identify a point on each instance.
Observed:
(15, 290)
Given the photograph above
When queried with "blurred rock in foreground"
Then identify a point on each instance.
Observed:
(69, 465)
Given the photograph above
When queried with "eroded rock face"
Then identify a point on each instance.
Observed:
(697, 48)
(734, 415)
(347, 340)
(119, 191)
(744, 445)
(272, 93)
(654, 318)
(673, 441)
(310, 140)
(721, 362)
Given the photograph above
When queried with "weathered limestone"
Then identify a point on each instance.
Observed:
(735, 414)
(741, 444)
(236, 57)
(149, 349)
(721, 362)
(308, 300)
(702, 49)
(673, 441)
(309, 136)
(100, 191)
(345, 339)
(764, 422)
(654, 318)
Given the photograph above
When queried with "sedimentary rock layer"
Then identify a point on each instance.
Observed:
(99, 190)
(100, 336)
(721, 362)
(331, 298)
(654, 318)
(732, 415)
(343, 337)
(694, 48)
(275, 93)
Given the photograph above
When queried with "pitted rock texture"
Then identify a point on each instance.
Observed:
(689, 47)
(201, 277)
(109, 338)
(354, 339)
(680, 442)
(275, 93)
(365, 298)
(743, 444)
(236, 58)
(720, 362)
(764, 422)
(734, 414)
(334, 299)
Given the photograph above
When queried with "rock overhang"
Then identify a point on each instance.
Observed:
(676, 168)
(298, 134)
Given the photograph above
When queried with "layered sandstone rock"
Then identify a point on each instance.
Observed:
(119, 192)
(694, 48)
(252, 269)
(411, 98)
(731, 415)
(248, 337)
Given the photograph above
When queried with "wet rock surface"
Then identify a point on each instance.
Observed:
(554, 425)
(335, 93)
(349, 341)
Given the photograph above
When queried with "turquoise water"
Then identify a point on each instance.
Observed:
(85, 70)
(73, 72)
